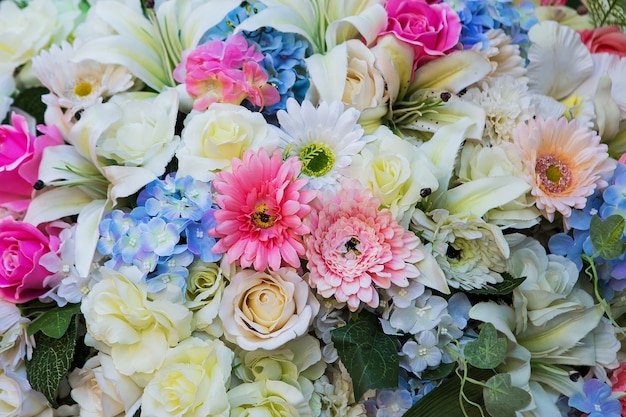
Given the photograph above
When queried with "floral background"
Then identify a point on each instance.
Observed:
(312, 208)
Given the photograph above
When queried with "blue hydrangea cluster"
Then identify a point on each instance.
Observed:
(284, 55)
(165, 232)
(479, 16)
(577, 241)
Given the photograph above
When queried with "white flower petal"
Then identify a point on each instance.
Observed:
(559, 61)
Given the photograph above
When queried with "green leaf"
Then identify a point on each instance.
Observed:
(51, 361)
(370, 356)
(444, 400)
(439, 372)
(54, 322)
(502, 288)
(488, 350)
(503, 400)
(30, 101)
(606, 236)
(607, 12)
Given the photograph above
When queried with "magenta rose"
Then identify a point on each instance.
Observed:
(20, 156)
(608, 39)
(22, 246)
(431, 29)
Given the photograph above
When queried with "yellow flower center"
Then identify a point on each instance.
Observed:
(83, 89)
(260, 217)
(554, 175)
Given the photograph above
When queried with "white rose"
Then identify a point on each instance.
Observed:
(25, 31)
(15, 344)
(101, 391)
(205, 285)
(18, 399)
(396, 172)
(192, 381)
(138, 331)
(211, 139)
(266, 310)
(268, 398)
(138, 129)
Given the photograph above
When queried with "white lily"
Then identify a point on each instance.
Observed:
(430, 100)
(152, 47)
(87, 179)
(324, 23)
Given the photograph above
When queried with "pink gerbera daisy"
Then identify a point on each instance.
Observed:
(565, 163)
(355, 247)
(262, 205)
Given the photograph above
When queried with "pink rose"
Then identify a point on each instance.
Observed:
(609, 39)
(22, 246)
(431, 29)
(19, 161)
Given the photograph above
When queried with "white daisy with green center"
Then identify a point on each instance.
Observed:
(324, 138)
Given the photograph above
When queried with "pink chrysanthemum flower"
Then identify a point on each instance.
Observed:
(226, 72)
(354, 247)
(565, 163)
(262, 205)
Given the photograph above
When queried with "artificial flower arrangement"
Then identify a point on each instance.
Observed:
(312, 208)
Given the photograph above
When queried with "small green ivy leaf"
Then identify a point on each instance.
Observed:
(502, 288)
(441, 371)
(488, 350)
(54, 322)
(51, 361)
(502, 399)
(606, 236)
(370, 356)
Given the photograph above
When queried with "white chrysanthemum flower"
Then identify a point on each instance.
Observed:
(471, 252)
(15, 343)
(324, 138)
(506, 103)
(504, 56)
(77, 85)
(333, 395)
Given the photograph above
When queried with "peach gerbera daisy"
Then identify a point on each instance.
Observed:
(355, 248)
(565, 163)
(262, 205)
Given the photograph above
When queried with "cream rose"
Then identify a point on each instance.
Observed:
(136, 330)
(396, 172)
(262, 310)
(205, 285)
(101, 391)
(192, 381)
(18, 399)
(211, 139)
(267, 398)
(27, 31)
(148, 119)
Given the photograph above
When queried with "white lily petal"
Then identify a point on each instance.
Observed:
(87, 234)
(451, 73)
(544, 402)
(517, 364)
(95, 120)
(143, 62)
(327, 73)
(561, 333)
(501, 316)
(608, 114)
(451, 112)
(368, 23)
(431, 274)
(557, 379)
(288, 16)
(56, 159)
(481, 195)
(126, 180)
(559, 61)
(443, 148)
(56, 203)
